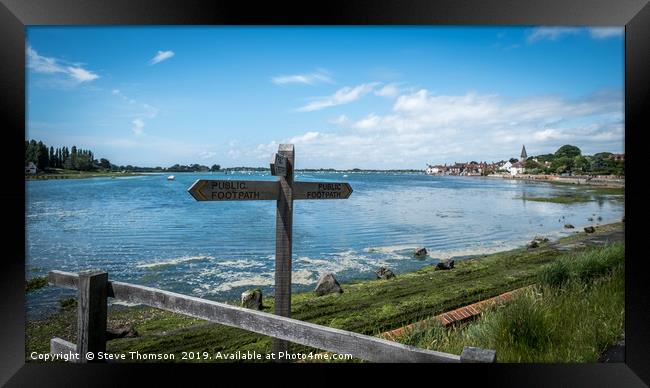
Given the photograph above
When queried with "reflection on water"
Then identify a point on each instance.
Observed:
(150, 231)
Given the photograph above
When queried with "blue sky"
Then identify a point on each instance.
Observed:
(366, 97)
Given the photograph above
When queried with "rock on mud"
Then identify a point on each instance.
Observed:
(445, 264)
(384, 273)
(252, 299)
(420, 252)
(327, 284)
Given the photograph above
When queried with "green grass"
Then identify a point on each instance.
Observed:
(36, 283)
(73, 174)
(566, 198)
(572, 320)
(368, 307)
(606, 190)
(583, 194)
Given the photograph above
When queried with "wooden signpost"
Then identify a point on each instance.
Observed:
(284, 191)
(278, 164)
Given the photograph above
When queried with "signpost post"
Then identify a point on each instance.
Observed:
(283, 246)
(279, 164)
(284, 191)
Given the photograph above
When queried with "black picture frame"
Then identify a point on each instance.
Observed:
(15, 15)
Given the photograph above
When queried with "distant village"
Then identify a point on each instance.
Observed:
(566, 161)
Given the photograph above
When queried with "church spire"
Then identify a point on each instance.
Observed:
(523, 153)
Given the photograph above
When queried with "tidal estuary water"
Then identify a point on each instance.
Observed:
(150, 231)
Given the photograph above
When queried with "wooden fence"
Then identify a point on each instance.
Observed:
(94, 288)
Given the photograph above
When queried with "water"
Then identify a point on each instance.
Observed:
(150, 231)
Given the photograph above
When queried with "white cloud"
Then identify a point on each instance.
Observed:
(555, 33)
(161, 56)
(390, 91)
(49, 65)
(342, 96)
(150, 111)
(340, 120)
(308, 137)
(551, 33)
(606, 32)
(369, 122)
(549, 134)
(423, 127)
(207, 154)
(321, 76)
(81, 75)
(138, 127)
(140, 111)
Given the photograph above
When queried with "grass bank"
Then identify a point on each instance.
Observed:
(368, 307)
(573, 314)
(584, 194)
(73, 174)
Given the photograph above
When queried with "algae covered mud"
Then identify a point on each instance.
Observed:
(368, 307)
(150, 231)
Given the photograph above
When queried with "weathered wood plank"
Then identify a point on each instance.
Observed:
(287, 329)
(63, 347)
(63, 279)
(283, 242)
(91, 313)
(321, 190)
(304, 333)
(278, 165)
(234, 190)
(472, 354)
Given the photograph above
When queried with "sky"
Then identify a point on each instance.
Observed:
(346, 97)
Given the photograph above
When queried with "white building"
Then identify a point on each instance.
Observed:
(30, 168)
(517, 168)
(435, 170)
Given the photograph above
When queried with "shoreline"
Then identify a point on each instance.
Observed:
(81, 175)
(368, 306)
(434, 256)
(599, 181)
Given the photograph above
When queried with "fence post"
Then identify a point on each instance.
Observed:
(472, 354)
(91, 314)
(283, 246)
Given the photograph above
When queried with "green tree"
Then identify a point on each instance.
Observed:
(74, 153)
(215, 167)
(52, 157)
(581, 164)
(32, 151)
(568, 151)
(104, 163)
(530, 164)
(562, 165)
(42, 156)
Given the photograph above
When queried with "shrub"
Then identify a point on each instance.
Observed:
(583, 266)
(35, 283)
(556, 274)
(522, 324)
(68, 303)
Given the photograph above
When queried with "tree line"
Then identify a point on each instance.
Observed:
(568, 159)
(45, 157)
(73, 158)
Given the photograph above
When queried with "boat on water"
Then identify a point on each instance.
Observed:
(170, 178)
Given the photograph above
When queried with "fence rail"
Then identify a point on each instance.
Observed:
(94, 288)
